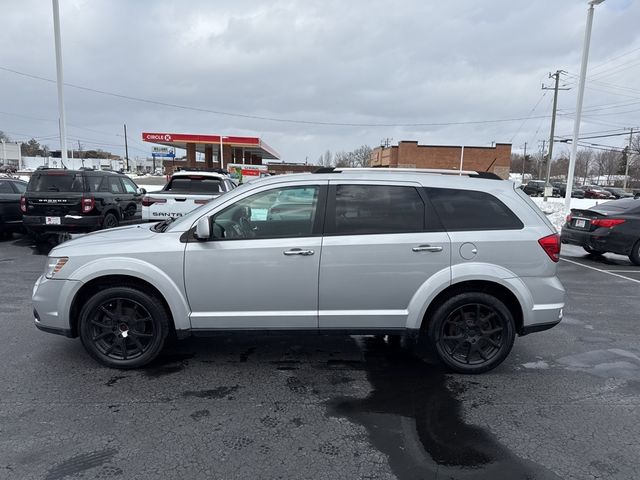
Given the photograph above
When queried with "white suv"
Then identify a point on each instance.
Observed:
(467, 261)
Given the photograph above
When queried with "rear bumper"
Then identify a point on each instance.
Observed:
(37, 223)
(602, 240)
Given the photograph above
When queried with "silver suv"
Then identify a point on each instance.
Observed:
(464, 260)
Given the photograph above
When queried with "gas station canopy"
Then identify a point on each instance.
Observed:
(252, 148)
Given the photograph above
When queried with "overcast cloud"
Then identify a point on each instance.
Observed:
(362, 62)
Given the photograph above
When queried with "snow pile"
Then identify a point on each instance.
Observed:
(554, 209)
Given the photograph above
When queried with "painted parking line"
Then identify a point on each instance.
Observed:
(607, 272)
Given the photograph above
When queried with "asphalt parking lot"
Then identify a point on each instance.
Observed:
(565, 404)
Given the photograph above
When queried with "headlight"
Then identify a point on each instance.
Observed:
(54, 265)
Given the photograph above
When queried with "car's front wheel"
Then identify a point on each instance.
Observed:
(472, 332)
(123, 327)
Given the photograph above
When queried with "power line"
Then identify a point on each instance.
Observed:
(265, 118)
(528, 116)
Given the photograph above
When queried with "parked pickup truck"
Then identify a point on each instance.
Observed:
(185, 191)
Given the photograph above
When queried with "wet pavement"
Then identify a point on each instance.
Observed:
(565, 404)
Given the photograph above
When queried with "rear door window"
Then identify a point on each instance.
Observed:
(463, 210)
(115, 186)
(57, 182)
(375, 209)
(129, 186)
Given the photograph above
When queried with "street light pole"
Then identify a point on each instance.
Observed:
(56, 33)
(576, 124)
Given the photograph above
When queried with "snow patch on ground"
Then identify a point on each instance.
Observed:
(539, 365)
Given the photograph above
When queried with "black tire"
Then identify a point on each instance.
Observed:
(591, 251)
(123, 327)
(110, 221)
(454, 328)
(635, 254)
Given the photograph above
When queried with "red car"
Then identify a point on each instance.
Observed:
(595, 191)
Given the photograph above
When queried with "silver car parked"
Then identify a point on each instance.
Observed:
(464, 260)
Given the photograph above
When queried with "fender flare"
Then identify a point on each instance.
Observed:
(460, 273)
(131, 267)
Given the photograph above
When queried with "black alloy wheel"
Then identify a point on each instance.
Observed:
(472, 332)
(110, 221)
(123, 327)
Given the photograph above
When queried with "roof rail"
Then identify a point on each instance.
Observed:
(197, 169)
(433, 171)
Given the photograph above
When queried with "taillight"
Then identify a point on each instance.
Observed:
(23, 204)
(201, 202)
(569, 218)
(87, 204)
(607, 222)
(551, 245)
(148, 201)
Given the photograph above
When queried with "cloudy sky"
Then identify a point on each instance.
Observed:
(310, 76)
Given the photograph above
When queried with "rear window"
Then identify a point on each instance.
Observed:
(194, 185)
(56, 182)
(463, 210)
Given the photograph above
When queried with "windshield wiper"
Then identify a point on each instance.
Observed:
(162, 226)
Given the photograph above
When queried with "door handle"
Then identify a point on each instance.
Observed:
(298, 251)
(118, 199)
(426, 248)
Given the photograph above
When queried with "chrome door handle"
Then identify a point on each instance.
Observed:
(298, 251)
(426, 248)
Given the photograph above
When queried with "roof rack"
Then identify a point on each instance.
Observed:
(433, 171)
(221, 171)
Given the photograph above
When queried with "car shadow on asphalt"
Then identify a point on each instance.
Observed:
(412, 413)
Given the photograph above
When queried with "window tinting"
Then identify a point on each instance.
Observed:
(56, 182)
(194, 185)
(5, 187)
(20, 187)
(95, 183)
(461, 210)
(372, 209)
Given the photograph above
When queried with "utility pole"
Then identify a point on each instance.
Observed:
(556, 76)
(386, 142)
(626, 167)
(126, 149)
(524, 162)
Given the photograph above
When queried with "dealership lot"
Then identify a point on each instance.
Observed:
(563, 405)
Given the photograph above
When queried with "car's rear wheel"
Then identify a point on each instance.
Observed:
(472, 332)
(592, 251)
(110, 221)
(635, 254)
(123, 327)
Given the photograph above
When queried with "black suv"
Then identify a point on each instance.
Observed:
(535, 188)
(11, 190)
(59, 201)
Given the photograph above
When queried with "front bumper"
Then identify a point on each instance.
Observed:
(51, 300)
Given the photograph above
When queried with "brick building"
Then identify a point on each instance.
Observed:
(408, 154)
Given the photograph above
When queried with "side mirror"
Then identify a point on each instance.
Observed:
(141, 191)
(203, 229)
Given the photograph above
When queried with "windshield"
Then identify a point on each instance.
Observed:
(187, 220)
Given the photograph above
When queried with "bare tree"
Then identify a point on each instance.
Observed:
(607, 163)
(360, 157)
(584, 161)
